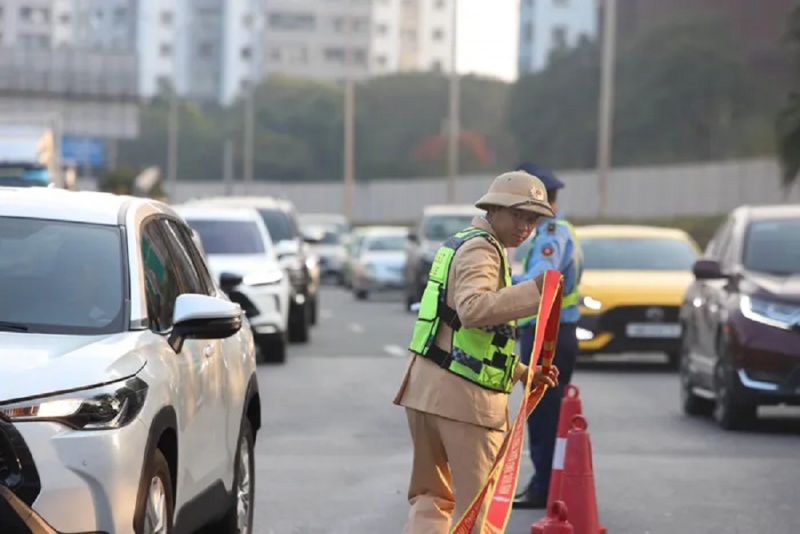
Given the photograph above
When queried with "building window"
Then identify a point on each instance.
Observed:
(381, 29)
(247, 20)
(559, 37)
(359, 56)
(120, 14)
(166, 18)
(527, 32)
(436, 66)
(335, 55)
(35, 15)
(292, 21)
(65, 18)
(205, 49)
(381, 61)
(438, 34)
(165, 50)
(561, 3)
(246, 52)
(440, 4)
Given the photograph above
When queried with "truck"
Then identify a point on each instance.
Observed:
(28, 156)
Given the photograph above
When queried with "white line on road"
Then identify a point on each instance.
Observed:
(395, 350)
(357, 328)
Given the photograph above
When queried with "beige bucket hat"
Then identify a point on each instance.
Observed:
(518, 190)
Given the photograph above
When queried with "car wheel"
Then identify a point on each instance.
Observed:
(156, 513)
(691, 403)
(674, 359)
(272, 350)
(300, 325)
(730, 412)
(239, 519)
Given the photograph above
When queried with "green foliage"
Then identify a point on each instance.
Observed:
(121, 182)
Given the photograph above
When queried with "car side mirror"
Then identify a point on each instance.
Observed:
(228, 281)
(203, 317)
(707, 270)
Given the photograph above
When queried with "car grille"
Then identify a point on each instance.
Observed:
(17, 470)
(616, 319)
(247, 305)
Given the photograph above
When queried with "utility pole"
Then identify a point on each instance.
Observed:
(606, 117)
(454, 122)
(349, 116)
(172, 142)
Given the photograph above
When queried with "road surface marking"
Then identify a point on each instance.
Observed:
(395, 350)
(357, 328)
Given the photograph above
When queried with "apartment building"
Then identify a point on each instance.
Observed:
(410, 35)
(206, 49)
(318, 39)
(549, 25)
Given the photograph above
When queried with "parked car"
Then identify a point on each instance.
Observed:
(438, 223)
(295, 254)
(381, 259)
(338, 221)
(240, 252)
(634, 279)
(741, 318)
(129, 398)
(353, 247)
(330, 246)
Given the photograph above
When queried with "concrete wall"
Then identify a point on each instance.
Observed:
(664, 191)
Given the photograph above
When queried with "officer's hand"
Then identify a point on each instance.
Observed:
(549, 379)
(539, 280)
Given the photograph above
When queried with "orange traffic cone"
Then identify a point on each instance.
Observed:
(577, 481)
(556, 520)
(570, 407)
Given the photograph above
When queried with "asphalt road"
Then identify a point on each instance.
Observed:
(333, 456)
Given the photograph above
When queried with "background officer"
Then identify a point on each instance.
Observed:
(554, 246)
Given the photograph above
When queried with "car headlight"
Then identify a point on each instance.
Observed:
(777, 314)
(591, 303)
(102, 408)
(263, 279)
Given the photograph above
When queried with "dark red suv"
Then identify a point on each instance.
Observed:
(741, 318)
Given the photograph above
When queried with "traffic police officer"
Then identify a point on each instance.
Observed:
(461, 364)
(554, 246)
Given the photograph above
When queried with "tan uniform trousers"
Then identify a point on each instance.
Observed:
(451, 463)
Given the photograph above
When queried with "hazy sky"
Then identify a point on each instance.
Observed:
(487, 37)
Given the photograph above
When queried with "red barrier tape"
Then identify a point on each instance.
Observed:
(504, 475)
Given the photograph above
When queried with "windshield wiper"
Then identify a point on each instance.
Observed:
(13, 327)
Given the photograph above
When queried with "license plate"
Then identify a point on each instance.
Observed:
(664, 330)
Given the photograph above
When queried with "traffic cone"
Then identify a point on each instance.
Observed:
(556, 520)
(570, 407)
(577, 481)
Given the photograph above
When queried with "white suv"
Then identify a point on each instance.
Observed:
(129, 400)
(241, 255)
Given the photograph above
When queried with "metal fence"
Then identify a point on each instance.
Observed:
(641, 192)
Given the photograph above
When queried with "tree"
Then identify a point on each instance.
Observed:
(788, 121)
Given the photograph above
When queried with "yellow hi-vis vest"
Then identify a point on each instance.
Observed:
(484, 356)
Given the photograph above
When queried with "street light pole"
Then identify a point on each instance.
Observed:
(349, 119)
(172, 143)
(606, 107)
(453, 123)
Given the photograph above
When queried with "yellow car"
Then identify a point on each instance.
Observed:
(633, 284)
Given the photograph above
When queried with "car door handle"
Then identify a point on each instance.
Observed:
(209, 351)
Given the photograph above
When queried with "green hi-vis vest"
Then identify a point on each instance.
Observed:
(484, 356)
(573, 297)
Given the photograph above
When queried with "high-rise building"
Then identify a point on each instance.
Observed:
(549, 25)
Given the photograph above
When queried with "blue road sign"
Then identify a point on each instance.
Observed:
(82, 150)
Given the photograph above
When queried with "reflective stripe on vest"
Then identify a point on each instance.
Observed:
(484, 356)
(572, 298)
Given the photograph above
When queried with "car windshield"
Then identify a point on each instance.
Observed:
(60, 277)
(279, 224)
(773, 246)
(385, 243)
(228, 237)
(440, 227)
(637, 254)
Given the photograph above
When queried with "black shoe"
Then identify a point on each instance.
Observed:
(528, 500)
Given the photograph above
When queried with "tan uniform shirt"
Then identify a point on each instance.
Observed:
(477, 292)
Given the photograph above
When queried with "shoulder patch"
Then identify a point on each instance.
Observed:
(547, 251)
(551, 227)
